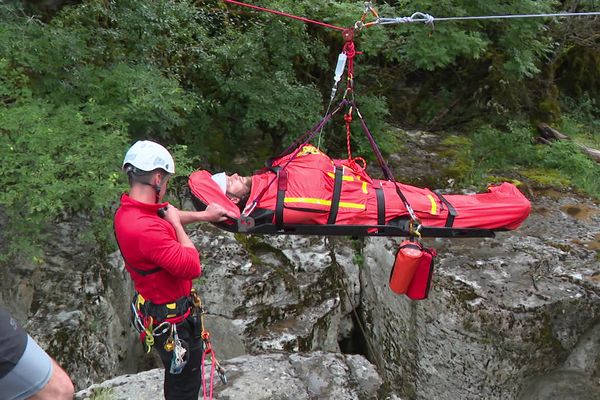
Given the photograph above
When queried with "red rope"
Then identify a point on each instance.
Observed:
(208, 351)
(239, 3)
(352, 161)
(348, 119)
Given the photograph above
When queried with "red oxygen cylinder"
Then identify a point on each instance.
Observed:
(421, 282)
(407, 260)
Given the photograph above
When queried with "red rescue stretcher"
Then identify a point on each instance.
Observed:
(308, 193)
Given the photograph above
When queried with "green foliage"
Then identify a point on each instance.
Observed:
(581, 120)
(66, 123)
(503, 149)
(459, 149)
(58, 158)
(490, 150)
(226, 87)
(358, 257)
(567, 159)
(546, 177)
(103, 394)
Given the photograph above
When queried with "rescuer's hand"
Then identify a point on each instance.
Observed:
(171, 215)
(215, 213)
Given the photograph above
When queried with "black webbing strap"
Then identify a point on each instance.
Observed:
(281, 189)
(380, 206)
(297, 145)
(337, 194)
(144, 272)
(161, 312)
(387, 172)
(451, 210)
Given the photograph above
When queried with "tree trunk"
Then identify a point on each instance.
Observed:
(549, 134)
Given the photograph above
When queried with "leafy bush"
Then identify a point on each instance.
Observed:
(66, 123)
(490, 150)
(581, 120)
(567, 158)
(495, 149)
(227, 87)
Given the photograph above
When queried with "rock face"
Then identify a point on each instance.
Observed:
(315, 375)
(72, 303)
(280, 292)
(504, 316)
(515, 317)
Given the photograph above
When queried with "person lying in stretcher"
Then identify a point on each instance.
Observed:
(311, 188)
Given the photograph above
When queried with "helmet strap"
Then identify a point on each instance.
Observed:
(159, 186)
(132, 171)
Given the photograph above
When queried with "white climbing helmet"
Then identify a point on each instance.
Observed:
(148, 156)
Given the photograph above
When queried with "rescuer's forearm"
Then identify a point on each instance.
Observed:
(182, 236)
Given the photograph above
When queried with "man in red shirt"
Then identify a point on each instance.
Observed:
(162, 261)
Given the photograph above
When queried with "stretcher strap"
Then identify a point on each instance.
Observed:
(384, 167)
(337, 194)
(451, 210)
(380, 206)
(297, 145)
(281, 189)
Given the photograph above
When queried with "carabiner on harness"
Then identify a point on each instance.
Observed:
(179, 359)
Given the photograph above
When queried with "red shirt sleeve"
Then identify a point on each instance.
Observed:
(160, 245)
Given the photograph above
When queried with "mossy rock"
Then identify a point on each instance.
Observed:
(546, 177)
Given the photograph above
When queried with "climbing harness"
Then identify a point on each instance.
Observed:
(153, 320)
(146, 314)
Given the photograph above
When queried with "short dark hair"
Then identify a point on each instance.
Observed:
(136, 175)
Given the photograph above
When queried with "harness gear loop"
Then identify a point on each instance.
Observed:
(147, 334)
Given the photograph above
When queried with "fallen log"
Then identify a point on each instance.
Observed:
(549, 134)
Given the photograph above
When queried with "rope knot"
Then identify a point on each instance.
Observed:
(349, 49)
(422, 17)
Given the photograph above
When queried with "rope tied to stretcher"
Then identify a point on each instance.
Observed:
(345, 64)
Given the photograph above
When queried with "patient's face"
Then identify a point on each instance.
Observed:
(238, 187)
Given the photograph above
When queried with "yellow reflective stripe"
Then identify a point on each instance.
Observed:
(364, 187)
(352, 205)
(311, 200)
(344, 177)
(433, 204)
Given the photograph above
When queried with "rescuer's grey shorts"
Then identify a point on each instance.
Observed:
(29, 376)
